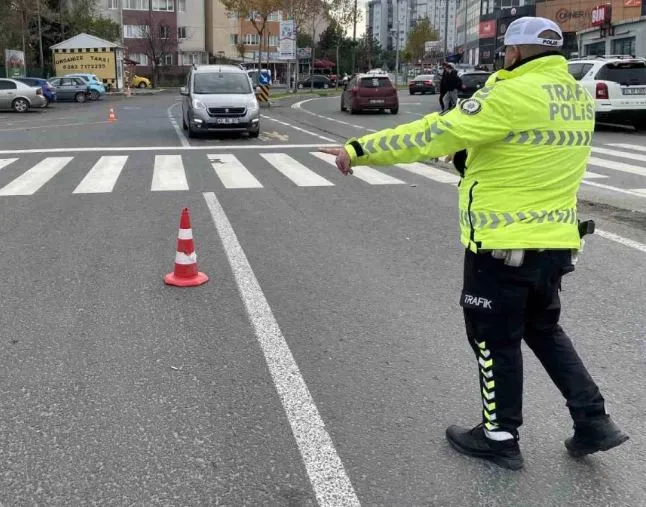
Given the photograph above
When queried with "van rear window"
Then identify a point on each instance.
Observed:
(375, 82)
(627, 74)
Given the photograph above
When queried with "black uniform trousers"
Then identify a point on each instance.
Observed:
(502, 306)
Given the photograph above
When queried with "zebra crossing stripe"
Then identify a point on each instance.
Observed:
(29, 182)
(364, 173)
(168, 173)
(231, 172)
(102, 177)
(633, 147)
(4, 162)
(616, 166)
(619, 154)
(589, 175)
(430, 172)
(295, 171)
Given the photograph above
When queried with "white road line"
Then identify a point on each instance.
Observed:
(616, 166)
(4, 162)
(634, 147)
(430, 172)
(295, 171)
(619, 154)
(173, 122)
(640, 191)
(102, 177)
(28, 183)
(168, 148)
(168, 173)
(231, 172)
(590, 175)
(298, 128)
(365, 173)
(326, 472)
(634, 192)
(621, 240)
(57, 125)
(298, 105)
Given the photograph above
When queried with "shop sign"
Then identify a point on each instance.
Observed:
(601, 15)
(487, 29)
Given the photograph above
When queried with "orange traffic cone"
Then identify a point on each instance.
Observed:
(112, 117)
(185, 273)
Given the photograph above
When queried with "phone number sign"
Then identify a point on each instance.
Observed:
(100, 64)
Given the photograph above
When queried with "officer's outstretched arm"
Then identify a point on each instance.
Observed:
(482, 119)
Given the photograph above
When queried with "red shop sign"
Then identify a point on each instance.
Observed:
(601, 15)
(487, 29)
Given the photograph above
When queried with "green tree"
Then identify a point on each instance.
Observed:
(421, 33)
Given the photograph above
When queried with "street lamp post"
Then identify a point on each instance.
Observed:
(397, 44)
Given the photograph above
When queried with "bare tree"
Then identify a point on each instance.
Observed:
(256, 11)
(343, 12)
(160, 40)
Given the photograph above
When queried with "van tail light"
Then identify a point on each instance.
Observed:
(428, 82)
(602, 91)
(39, 91)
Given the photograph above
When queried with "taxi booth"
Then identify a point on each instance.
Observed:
(87, 54)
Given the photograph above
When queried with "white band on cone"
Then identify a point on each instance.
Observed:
(185, 234)
(183, 259)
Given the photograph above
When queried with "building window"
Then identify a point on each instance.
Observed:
(136, 5)
(623, 46)
(598, 48)
(181, 32)
(181, 5)
(166, 60)
(191, 58)
(164, 32)
(232, 15)
(134, 31)
(274, 16)
(233, 39)
(251, 39)
(140, 58)
(163, 5)
(273, 40)
(113, 4)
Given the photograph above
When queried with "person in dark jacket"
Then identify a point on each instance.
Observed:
(449, 85)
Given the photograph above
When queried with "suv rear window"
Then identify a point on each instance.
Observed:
(215, 83)
(625, 73)
(375, 82)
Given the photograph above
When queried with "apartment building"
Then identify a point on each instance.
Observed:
(177, 26)
(389, 20)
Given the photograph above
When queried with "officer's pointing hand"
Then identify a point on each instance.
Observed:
(343, 161)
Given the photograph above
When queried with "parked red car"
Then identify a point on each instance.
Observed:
(370, 91)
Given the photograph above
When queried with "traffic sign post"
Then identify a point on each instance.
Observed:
(264, 86)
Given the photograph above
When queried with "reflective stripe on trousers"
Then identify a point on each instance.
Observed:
(491, 220)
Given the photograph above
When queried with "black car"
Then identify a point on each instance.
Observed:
(317, 81)
(424, 83)
(472, 82)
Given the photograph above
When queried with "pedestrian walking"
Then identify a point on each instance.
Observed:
(449, 85)
(527, 135)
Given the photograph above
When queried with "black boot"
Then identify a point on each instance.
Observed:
(598, 434)
(474, 442)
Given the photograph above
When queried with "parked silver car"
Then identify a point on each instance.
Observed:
(219, 98)
(19, 96)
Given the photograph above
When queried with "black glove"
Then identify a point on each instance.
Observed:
(459, 161)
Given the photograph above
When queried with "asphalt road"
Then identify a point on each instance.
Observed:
(326, 355)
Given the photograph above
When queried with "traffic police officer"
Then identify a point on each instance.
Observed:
(528, 133)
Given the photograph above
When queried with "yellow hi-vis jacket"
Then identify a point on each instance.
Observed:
(528, 133)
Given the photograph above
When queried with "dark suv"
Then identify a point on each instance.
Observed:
(370, 91)
(471, 83)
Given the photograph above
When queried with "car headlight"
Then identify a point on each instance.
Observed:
(198, 104)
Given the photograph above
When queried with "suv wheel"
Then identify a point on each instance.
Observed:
(80, 97)
(394, 110)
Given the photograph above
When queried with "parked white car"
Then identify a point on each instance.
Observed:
(618, 85)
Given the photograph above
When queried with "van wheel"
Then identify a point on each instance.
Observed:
(254, 133)
(184, 126)
(191, 133)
